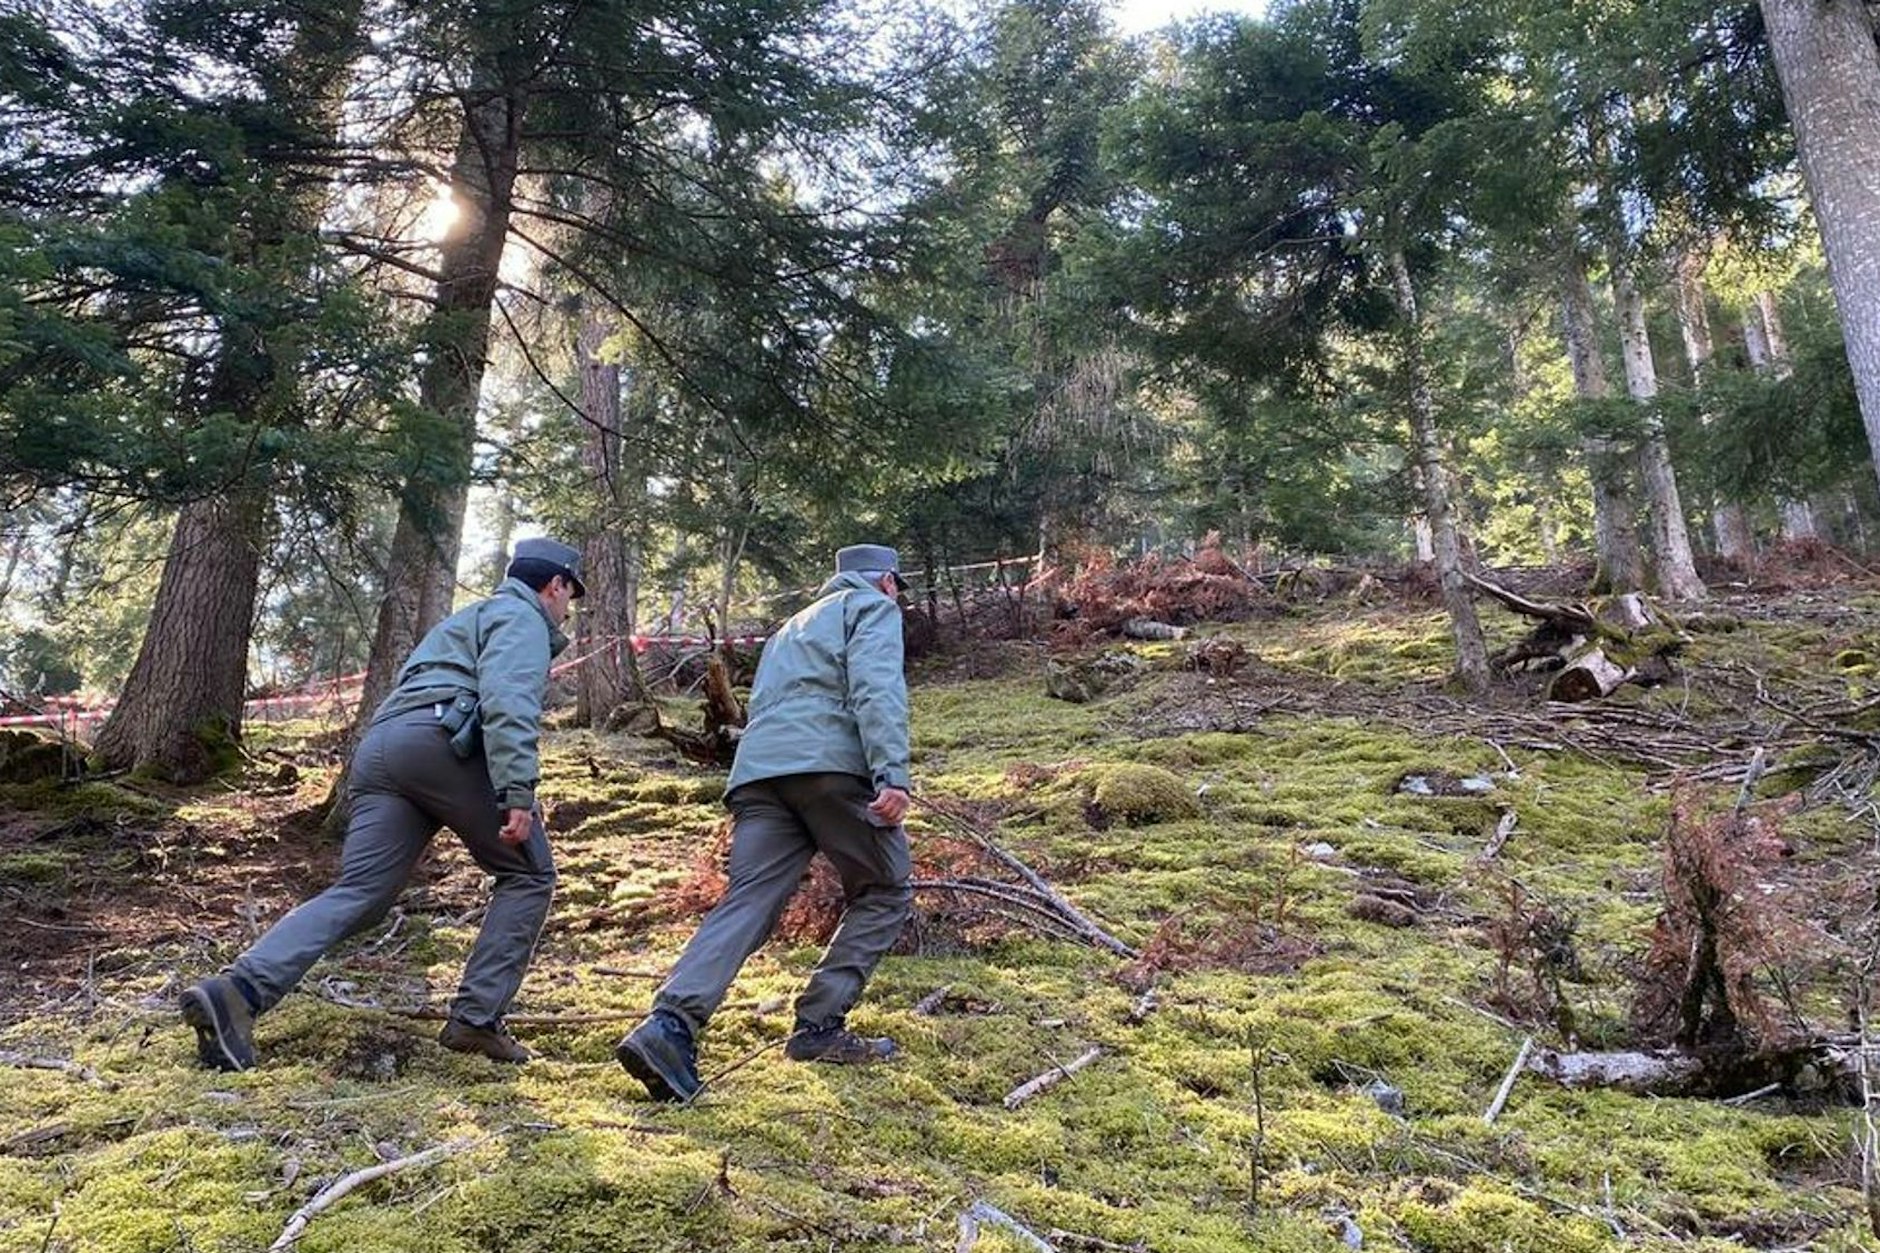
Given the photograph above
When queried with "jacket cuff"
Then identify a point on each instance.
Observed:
(892, 777)
(514, 797)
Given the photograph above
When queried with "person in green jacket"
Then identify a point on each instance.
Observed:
(453, 745)
(821, 767)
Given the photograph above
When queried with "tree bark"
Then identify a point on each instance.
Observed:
(1768, 350)
(179, 716)
(1728, 519)
(421, 571)
(1825, 56)
(1620, 566)
(180, 713)
(1471, 650)
(605, 623)
(1672, 561)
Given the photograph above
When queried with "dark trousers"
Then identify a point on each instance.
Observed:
(405, 784)
(777, 825)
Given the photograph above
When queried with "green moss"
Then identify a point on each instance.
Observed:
(1138, 794)
(1204, 861)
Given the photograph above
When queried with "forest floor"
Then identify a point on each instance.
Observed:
(1340, 978)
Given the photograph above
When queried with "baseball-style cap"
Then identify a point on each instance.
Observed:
(870, 557)
(565, 558)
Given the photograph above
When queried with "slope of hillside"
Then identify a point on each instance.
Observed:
(1332, 982)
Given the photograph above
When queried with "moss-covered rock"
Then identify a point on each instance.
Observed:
(1135, 794)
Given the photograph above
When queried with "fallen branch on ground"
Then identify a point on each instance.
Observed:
(1674, 1072)
(431, 1013)
(927, 1004)
(1038, 894)
(1503, 829)
(1050, 1078)
(24, 1061)
(1507, 1083)
(331, 1194)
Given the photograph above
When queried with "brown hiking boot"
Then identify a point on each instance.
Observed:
(225, 1026)
(494, 1043)
(837, 1045)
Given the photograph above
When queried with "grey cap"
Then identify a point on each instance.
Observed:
(870, 557)
(566, 558)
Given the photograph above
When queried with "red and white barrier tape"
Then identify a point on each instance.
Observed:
(63, 711)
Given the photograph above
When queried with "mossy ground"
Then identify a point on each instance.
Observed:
(1234, 854)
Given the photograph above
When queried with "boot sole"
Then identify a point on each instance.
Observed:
(648, 1072)
(213, 1033)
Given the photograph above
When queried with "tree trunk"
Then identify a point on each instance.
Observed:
(180, 712)
(605, 623)
(421, 571)
(1729, 520)
(1672, 562)
(181, 709)
(1620, 566)
(16, 549)
(1768, 350)
(1825, 55)
(1471, 650)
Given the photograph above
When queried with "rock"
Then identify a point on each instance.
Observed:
(28, 758)
(1083, 679)
(1320, 851)
(1133, 794)
(1388, 1097)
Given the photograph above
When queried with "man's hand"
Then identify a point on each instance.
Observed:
(889, 805)
(517, 826)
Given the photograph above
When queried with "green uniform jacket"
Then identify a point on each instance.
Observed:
(498, 651)
(830, 695)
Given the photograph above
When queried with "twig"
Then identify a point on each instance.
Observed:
(1050, 1078)
(734, 1067)
(1503, 829)
(1256, 1059)
(1758, 762)
(1507, 1083)
(332, 1193)
(430, 1013)
(1056, 900)
(1077, 1240)
(1145, 1005)
(1766, 1090)
(25, 1061)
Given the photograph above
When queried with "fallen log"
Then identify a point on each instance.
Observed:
(1589, 676)
(1596, 650)
(1813, 1067)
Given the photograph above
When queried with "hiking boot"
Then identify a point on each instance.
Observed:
(660, 1054)
(225, 1025)
(494, 1043)
(838, 1045)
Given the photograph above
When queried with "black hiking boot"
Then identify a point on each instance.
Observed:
(225, 1025)
(660, 1054)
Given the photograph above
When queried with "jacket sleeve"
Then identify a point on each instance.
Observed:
(512, 677)
(877, 693)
